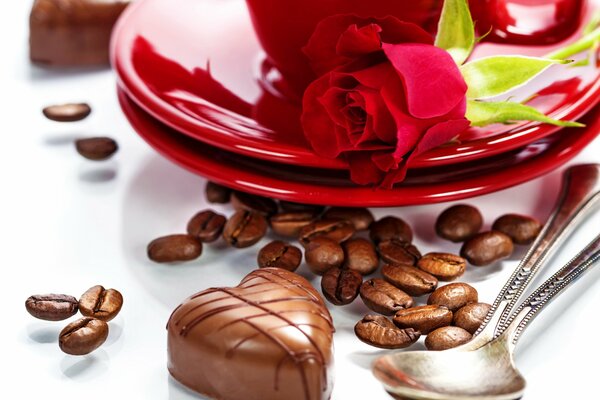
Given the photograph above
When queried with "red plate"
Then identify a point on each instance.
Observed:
(162, 50)
(332, 187)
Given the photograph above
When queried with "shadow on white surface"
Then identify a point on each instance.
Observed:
(179, 392)
(43, 333)
(98, 175)
(85, 368)
(63, 139)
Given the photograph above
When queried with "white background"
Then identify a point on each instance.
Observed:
(67, 224)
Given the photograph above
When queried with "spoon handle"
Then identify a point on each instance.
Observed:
(530, 308)
(579, 195)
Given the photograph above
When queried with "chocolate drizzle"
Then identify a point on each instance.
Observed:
(255, 291)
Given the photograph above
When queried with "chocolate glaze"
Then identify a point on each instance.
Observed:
(268, 338)
(72, 32)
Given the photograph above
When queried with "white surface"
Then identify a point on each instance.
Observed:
(68, 224)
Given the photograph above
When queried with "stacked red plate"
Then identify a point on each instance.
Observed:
(194, 83)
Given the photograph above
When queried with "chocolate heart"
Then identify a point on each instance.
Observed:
(268, 338)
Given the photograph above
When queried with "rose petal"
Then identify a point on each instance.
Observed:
(362, 169)
(432, 81)
(322, 47)
(438, 135)
(357, 42)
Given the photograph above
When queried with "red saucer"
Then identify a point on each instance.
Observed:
(331, 187)
(196, 66)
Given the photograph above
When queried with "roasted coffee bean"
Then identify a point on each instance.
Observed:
(410, 279)
(487, 247)
(471, 316)
(361, 218)
(97, 148)
(249, 202)
(289, 224)
(336, 229)
(288, 206)
(207, 226)
(67, 112)
(379, 331)
(100, 303)
(520, 228)
(83, 336)
(459, 223)
(279, 254)
(444, 266)
(454, 296)
(244, 229)
(341, 286)
(446, 338)
(360, 256)
(51, 307)
(384, 298)
(396, 251)
(423, 318)
(174, 248)
(390, 228)
(216, 193)
(323, 253)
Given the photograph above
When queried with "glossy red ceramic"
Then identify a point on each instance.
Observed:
(331, 187)
(197, 66)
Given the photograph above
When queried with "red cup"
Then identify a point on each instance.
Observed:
(284, 26)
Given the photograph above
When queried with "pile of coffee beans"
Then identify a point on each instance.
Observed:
(345, 245)
(94, 148)
(98, 306)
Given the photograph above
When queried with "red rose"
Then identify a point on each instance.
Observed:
(384, 95)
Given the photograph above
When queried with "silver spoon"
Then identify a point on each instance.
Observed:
(579, 194)
(488, 372)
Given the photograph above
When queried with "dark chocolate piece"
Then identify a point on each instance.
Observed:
(71, 33)
(268, 338)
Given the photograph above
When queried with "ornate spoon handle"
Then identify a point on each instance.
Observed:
(530, 308)
(580, 194)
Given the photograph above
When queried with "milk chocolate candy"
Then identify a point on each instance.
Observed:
(72, 33)
(268, 338)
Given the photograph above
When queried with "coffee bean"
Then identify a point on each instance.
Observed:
(289, 224)
(379, 331)
(249, 202)
(487, 247)
(69, 112)
(471, 316)
(423, 318)
(216, 193)
(279, 254)
(360, 256)
(51, 307)
(384, 298)
(396, 251)
(288, 206)
(454, 296)
(97, 148)
(341, 286)
(174, 248)
(336, 229)
(361, 218)
(444, 266)
(322, 253)
(100, 303)
(244, 229)
(410, 279)
(521, 229)
(390, 228)
(459, 223)
(83, 336)
(207, 226)
(446, 338)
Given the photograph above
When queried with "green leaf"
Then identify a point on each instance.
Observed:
(456, 31)
(592, 24)
(486, 113)
(493, 76)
